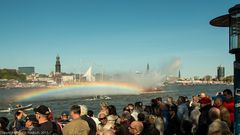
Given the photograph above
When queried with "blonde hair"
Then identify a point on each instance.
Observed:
(83, 109)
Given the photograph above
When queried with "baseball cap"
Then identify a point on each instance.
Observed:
(65, 113)
(32, 118)
(205, 100)
(42, 109)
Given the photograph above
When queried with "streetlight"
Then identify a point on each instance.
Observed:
(232, 20)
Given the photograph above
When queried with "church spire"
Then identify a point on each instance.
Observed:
(179, 74)
(58, 65)
(148, 68)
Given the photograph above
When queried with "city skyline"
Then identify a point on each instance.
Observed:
(115, 36)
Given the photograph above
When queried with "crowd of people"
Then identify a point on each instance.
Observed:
(202, 115)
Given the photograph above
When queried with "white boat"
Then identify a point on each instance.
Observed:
(100, 97)
(24, 108)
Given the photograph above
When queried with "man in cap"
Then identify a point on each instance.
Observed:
(64, 119)
(46, 127)
(204, 120)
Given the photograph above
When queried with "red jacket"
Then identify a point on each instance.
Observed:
(230, 106)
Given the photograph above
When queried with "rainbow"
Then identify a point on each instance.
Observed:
(83, 89)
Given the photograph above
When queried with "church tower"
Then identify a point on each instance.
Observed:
(58, 65)
(58, 76)
(148, 68)
(179, 74)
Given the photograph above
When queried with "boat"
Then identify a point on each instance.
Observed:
(18, 107)
(99, 97)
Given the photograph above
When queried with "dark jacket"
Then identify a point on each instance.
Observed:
(47, 128)
(204, 121)
(173, 126)
(91, 124)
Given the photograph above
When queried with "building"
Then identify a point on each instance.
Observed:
(58, 76)
(26, 70)
(88, 76)
(220, 73)
(148, 68)
(68, 78)
(58, 65)
(179, 74)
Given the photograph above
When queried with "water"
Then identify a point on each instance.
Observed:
(120, 101)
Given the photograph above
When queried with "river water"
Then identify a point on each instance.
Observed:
(63, 104)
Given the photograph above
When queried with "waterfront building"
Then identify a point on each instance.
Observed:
(70, 78)
(179, 74)
(220, 73)
(26, 70)
(58, 76)
(148, 68)
(58, 65)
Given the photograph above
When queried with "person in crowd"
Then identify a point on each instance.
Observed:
(147, 110)
(182, 111)
(194, 100)
(102, 117)
(204, 120)
(64, 119)
(130, 108)
(3, 125)
(111, 120)
(173, 126)
(202, 95)
(141, 117)
(170, 101)
(149, 126)
(164, 113)
(120, 129)
(109, 132)
(45, 127)
(229, 104)
(154, 103)
(136, 128)
(138, 108)
(18, 122)
(104, 107)
(113, 111)
(217, 126)
(31, 122)
(126, 119)
(77, 125)
(159, 100)
(90, 121)
(194, 116)
(214, 114)
(159, 122)
(90, 114)
(225, 115)
(186, 127)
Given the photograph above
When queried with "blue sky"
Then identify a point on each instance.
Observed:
(114, 35)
